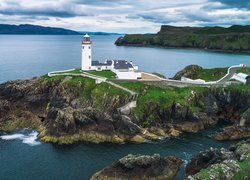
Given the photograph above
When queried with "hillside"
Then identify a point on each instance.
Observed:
(34, 29)
(67, 109)
(233, 39)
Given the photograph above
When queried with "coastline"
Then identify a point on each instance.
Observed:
(187, 48)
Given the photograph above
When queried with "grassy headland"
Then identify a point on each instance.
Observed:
(232, 39)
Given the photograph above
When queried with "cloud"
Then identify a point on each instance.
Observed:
(245, 4)
(125, 15)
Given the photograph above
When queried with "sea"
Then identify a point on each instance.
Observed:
(23, 156)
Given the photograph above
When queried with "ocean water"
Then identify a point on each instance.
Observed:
(23, 156)
(25, 56)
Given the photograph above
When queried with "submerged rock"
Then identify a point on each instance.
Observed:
(140, 167)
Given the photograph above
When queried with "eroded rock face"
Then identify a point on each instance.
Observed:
(141, 167)
(221, 164)
(207, 158)
(63, 113)
(233, 133)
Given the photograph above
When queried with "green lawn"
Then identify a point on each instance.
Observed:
(215, 73)
(105, 73)
(244, 70)
(76, 71)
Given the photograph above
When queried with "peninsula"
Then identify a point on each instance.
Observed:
(113, 101)
(233, 39)
(35, 29)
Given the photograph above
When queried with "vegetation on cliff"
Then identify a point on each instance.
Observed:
(213, 74)
(234, 39)
(66, 109)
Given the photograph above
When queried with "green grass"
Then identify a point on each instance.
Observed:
(106, 73)
(216, 73)
(76, 71)
(87, 88)
(46, 77)
(210, 74)
(245, 169)
(153, 100)
(244, 70)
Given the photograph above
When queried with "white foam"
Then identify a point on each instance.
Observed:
(30, 139)
(11, 137)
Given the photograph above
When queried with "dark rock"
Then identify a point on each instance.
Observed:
(207, 158)
(188, 72)
(233, 133)
(141, 167)
(221, 164)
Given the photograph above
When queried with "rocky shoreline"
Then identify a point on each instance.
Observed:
(140, 167)
(66, 110)
(216, 39)
(221, 164)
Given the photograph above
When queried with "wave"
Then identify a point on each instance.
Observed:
(30, 139)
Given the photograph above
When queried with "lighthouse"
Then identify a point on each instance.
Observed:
(86, 53)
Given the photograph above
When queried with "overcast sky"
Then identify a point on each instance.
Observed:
(128, 16)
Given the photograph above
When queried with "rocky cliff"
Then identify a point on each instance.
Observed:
(139, 167)
(71, 109)
(232, 39)
(221, 164)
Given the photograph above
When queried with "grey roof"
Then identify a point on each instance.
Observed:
(118, 64)
(97, 63)
(122, 64)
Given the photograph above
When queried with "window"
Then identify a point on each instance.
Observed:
(89, 47)
(89, 57)
(83, 47)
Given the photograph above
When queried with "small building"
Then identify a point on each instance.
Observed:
(242, 77)
(122, 68)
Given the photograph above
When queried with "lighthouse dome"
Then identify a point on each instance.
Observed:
(86, 35)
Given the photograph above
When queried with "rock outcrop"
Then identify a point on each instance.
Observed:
(221, 164)
(188, 72)
(231, 39)
(140, 167)
(67, 110)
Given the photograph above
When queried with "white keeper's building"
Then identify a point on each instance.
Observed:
(122, 68)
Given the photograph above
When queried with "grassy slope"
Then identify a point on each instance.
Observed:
(158, 99)
(77, 71)
(107, 73)
(153, 99)
(89, 90)
(215, 73)
(236, 38)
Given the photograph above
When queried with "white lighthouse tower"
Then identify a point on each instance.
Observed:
(86, 53)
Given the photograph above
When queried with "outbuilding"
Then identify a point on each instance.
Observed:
(242, 77)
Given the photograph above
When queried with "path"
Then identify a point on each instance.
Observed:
(97, 78)
(189, 82)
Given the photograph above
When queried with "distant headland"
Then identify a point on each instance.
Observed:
(34, 29)
(232, 39)
(29, 29)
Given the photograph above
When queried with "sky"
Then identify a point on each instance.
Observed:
(124, 16)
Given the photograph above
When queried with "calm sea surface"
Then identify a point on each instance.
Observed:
(25, 56)
(22, 156)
